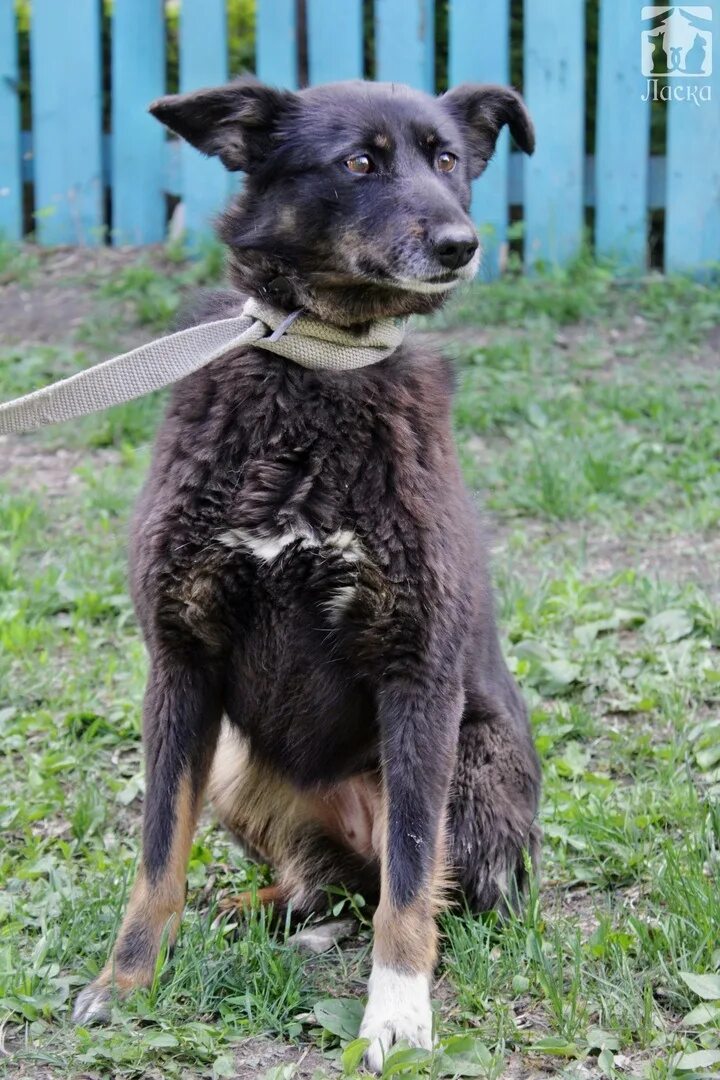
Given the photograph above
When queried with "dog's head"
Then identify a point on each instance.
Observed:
(357, 194)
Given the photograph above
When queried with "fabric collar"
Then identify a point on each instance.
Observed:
(315, 344)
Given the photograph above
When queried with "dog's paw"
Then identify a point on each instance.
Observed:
(398, 1010)
(92, 1005)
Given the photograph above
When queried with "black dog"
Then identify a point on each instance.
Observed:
(306, 563)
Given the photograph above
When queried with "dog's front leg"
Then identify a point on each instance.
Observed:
(419, 726)
(181, 720)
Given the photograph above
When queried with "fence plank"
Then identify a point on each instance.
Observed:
(276, 46)
(203, 62)
(335, 40)
(555, 94)
(485, 58)
(10, 155)
(692, 216)
(138, 143)
(67, 123)
(623, 140)
(405, 42)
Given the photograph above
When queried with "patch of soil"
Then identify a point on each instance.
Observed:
(256, 1056)
(518, 1067)
(28, 1072)
(578, 904)
(615, 348)
(682, 558)
(27, 468)
(60, 294)
(687, 558)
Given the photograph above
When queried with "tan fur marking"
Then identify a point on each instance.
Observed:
(350, 812)
(406, 938)
(264, 808)
(382, 141)
(155, 906)
(245, 901)
(253, 801)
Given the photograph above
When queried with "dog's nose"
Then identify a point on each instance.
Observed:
(454, 247)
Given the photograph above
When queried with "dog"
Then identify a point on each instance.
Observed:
(306, 565)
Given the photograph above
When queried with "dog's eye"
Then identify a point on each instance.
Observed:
(360, 165)
(446, 161)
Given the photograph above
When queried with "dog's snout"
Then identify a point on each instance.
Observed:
(454, 247)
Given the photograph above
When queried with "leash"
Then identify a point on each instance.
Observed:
(306, 341)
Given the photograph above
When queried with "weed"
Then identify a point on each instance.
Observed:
(18, 263)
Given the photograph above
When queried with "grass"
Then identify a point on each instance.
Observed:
(16, 263)
(153, 296)
(589, 418)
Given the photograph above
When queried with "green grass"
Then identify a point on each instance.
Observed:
(152, 294)
(16, 263)
(589, 418)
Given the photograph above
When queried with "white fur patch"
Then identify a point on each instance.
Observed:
(264, 548)
(267, 548)
(339, 602)
(347, 543)
(92, 1004)
(398, 1010)
(417, 285)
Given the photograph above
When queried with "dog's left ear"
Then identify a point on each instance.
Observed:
(482, 112)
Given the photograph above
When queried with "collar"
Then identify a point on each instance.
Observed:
(318, 345)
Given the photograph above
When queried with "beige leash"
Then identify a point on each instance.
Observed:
(304, 340)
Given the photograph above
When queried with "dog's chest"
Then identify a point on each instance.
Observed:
(296, 563)
(305, 506)
(277, 542)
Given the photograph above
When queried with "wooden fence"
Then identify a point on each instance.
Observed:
(66, 166)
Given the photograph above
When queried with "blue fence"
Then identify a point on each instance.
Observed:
(65, 164)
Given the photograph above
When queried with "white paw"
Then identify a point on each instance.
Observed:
(92, 1005)
(398, 1010)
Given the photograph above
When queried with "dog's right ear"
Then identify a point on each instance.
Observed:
(233, 122)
